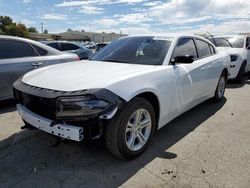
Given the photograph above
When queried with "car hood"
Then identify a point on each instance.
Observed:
(83, 75)
(230, 50)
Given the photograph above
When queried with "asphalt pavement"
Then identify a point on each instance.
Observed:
(208, 146)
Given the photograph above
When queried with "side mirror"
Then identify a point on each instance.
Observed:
(183, 59)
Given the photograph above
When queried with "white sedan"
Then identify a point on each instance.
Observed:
(131, 88)
(238, 47)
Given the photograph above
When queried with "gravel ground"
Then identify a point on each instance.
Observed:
(209, 146)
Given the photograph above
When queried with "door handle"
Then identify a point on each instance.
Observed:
(37, 64)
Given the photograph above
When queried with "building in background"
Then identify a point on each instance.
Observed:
(77, 36)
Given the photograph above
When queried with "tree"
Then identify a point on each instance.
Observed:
(69, 30)
(8, 27)
(19, 30)
(46, 31)
(5, 21)
(32, 30)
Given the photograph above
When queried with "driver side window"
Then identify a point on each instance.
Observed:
(185, 47)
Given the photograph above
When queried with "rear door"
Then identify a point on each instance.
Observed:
(16, 58)
(209, 67)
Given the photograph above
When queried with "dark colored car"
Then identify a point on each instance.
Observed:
(64, 46)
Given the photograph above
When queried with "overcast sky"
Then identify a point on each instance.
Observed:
(132, 16)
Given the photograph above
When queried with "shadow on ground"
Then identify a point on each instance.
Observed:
(7, 106)
(232, 84)
(28, 158)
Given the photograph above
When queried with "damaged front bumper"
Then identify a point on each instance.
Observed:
(61, 130)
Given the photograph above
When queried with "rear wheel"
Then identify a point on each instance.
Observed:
(220, 90)
(241, 73)
(128, 134)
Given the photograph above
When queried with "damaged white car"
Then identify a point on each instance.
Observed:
(126, 92)
(238, 47)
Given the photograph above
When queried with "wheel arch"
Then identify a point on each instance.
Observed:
(226, 72)
(154, 101)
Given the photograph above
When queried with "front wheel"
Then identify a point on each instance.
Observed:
(128, 134)
(221, 86)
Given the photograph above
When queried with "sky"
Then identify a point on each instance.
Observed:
(132, 17)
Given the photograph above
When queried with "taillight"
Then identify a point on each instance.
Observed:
(78, 58)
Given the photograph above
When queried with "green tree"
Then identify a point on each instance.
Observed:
(5, 21)
(19, 30)
(32, 30)
(46, 31)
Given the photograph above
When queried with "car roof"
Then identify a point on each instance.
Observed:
(230, 36)
(49, 49)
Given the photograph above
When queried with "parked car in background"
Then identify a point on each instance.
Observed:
(19, 55)
(238, 47)
(131, 88)
(100, 46)
(71, 47)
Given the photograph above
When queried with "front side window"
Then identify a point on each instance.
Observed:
(220, 42)
(54, 45)
(68, 46)
(136, 50)
(202, 48)
(185, 47)
(15, 49)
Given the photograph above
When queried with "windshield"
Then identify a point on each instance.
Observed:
(228, 42)
(136, 50)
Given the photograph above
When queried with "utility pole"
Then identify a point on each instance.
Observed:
(42, 27)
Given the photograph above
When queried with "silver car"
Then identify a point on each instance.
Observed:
(19, 55)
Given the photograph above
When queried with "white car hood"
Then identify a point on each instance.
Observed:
(81, 75)
(229, 50)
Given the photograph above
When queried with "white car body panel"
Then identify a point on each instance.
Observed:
(235, 65)
(178, 87)
(242, 53)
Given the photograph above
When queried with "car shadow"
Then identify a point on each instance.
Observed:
(31, 158)
(7, 106)
(232, 84)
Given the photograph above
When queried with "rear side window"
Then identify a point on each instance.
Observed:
(54, 45)
(203, 48)
(15, 49)
(68, 46)
(185, 47)
(40, 51)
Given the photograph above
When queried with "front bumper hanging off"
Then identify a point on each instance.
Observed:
(61, 130)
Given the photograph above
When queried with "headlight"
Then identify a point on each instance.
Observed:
(233, 58)
(80, 107)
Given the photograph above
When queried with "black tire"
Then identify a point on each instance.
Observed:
(240, 77)
(115, 129)
(217, 97)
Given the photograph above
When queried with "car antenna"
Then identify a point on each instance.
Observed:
(212, 37)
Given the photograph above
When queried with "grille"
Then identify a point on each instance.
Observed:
(45, 107)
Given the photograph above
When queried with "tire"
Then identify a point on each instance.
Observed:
(220, 89)
(240, 77)
(123, 133)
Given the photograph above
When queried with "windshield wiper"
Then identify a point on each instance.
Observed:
(115, 61)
